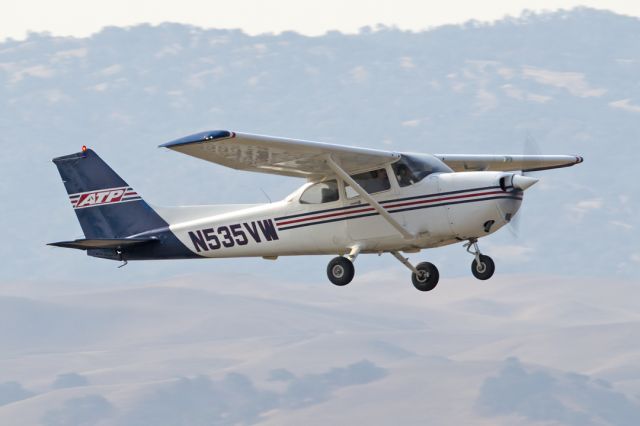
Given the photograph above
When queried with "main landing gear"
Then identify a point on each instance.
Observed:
(340, 270)
(424, 275)
(482, 266)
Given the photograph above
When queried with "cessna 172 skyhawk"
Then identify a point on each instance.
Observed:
(355, 201)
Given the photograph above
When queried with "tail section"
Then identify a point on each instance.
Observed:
(106, 206)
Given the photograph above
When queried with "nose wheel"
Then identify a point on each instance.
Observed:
(483, 269)
(482, 266)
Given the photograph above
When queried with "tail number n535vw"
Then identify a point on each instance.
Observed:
(229, 235)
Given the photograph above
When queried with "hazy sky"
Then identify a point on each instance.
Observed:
(83, 17)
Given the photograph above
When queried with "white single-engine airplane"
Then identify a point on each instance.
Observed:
(355, 201)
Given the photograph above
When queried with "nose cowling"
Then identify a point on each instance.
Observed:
(482, 213)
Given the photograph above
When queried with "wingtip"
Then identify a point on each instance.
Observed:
(206, 136)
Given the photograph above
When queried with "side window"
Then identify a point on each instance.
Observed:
(321, 192)
(404, 175)
(410, 170)
(372, 182)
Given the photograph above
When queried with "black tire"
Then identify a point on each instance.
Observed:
(429, 280)
(485, 269)
(340, 271)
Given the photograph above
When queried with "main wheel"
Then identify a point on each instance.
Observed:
(483, 270)
(340, 271)
(428, 278)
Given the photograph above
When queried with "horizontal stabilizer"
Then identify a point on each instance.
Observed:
(103, 243)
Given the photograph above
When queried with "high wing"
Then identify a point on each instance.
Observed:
(268, 154)
(527, 163)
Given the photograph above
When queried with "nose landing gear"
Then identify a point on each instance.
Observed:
(482, 266)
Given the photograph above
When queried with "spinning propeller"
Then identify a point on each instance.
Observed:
(525, 180)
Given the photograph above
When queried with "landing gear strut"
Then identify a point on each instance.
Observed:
(424, 276)
(482, 266)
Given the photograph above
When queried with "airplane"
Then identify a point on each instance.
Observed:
(355, 201)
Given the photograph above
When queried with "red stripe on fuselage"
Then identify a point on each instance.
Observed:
(388, 206)
(433, 200)
(323, 216)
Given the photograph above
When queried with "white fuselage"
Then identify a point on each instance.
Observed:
(441, 209)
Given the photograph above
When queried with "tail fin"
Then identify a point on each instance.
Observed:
(106, 206)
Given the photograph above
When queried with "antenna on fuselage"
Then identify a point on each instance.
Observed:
(265, 194)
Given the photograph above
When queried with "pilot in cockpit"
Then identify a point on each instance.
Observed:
(403, 175)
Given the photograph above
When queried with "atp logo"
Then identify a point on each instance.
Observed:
(102, 197)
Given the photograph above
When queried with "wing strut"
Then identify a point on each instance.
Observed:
(365, 195)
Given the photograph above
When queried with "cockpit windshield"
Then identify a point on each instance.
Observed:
(413, 168)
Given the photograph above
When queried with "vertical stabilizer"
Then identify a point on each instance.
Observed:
(106, 206)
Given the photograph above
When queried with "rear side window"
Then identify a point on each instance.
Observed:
(372, 182)
(321, 192)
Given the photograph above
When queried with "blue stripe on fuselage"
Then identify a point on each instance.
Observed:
(395, 200)
(301, 225)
